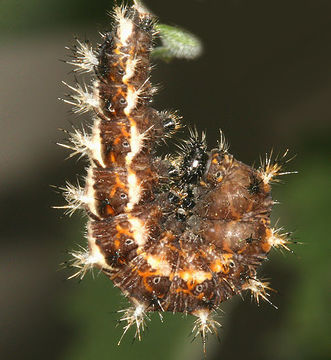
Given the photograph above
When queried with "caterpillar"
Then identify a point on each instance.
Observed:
(179, 233)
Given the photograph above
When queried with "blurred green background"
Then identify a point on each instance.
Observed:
(264, 78)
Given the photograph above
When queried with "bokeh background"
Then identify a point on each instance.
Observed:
(264, 78)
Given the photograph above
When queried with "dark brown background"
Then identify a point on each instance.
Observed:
(264, 78)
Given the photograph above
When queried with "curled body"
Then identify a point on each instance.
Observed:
(179, 233)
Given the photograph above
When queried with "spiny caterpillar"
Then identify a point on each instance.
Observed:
(179, 233)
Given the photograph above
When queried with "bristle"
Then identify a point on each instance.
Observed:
(194, 141)
(279, 239)
(259, 290)
(137, 316)
(222, 143)
(76, 198)
(80, 143)
(271, 168)
(83, 144)
(81, 100)
(204, 325)
(82, 261)
(84, 57)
